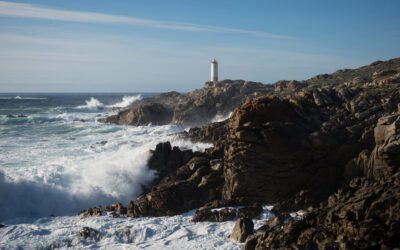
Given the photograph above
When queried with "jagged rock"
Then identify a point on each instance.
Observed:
(154, 113)
(288, 85)
(220, 214)
(294, 151)
(209, 133)
(165, 159)
(89, 233)
(198, 107)
(95, 211)
(272, 166)
(384, 160)
(116, 209)
(362, 215)
(250, 243)
(359, 216)
(169, 198)
(243, 228)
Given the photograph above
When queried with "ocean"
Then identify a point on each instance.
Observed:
(57, 159)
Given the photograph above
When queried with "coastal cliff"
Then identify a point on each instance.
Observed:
(328, 146)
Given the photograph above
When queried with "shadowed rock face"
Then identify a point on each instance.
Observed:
(267, 157)
(194, 108)
(362, 215)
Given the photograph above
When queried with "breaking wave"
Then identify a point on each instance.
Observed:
(60, 176)
(126, 101)
(92, 103)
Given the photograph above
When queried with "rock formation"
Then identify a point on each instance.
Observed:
(362, 215)
(329, 145)
(243, 228)
(194, 108)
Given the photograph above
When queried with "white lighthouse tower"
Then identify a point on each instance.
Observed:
(214, 71)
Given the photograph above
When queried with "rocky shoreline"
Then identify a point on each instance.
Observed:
(329, 146)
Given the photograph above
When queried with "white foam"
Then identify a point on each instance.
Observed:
(221, 117)
(175, 232)
(92, 103)
(126, 101)
(91, 164)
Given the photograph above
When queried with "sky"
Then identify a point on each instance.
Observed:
(158, 45)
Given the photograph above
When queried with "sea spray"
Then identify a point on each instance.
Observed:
(59, 159)
(92, 103)
(126, 101)
(104, 164)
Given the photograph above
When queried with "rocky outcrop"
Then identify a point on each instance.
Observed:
(362, 215)
(198, 107)
(180, 187)
(285, 85)
(329, 145)
(166, 159)
(209, 133)
(267, 157)
(143, 114)
(243, 228)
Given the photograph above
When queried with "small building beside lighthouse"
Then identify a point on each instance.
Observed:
(214, 71)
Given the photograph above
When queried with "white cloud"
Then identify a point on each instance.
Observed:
(23, 10)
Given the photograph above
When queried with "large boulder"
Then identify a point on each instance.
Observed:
(169, 198)
(385, 158)
(242, 229)
(269, 153)
(153, 113)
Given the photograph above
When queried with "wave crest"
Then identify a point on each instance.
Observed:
(92, 103)
(126, 101)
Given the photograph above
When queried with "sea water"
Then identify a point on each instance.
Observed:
(56, 158)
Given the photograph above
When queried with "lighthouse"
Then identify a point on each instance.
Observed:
(214, 71)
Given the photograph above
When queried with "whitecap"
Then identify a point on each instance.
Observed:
(92, 103)
(126, 101)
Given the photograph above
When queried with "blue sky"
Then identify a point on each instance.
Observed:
(158, 45)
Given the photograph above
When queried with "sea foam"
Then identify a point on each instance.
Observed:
(92, 103)
(102, 165)
(126, 101)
